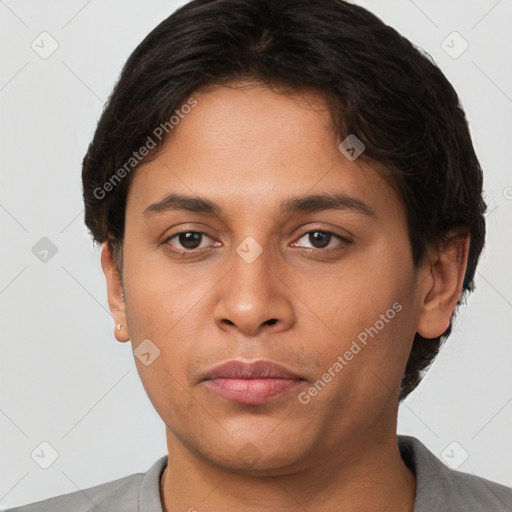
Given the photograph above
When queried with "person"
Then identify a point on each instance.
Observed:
(290, 211)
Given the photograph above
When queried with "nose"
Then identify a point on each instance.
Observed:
(253, 298)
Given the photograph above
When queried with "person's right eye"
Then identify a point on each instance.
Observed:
(188, 241)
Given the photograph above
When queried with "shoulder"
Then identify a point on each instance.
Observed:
(121, 494)
(92, 498)
(442, 489)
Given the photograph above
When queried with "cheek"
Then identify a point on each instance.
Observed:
(164, 296)
(351, 296)
(164, 307)
(367, 313)
(168, 391)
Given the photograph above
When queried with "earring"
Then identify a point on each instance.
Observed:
(119, 327)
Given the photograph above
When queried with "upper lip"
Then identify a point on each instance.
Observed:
(236, 369)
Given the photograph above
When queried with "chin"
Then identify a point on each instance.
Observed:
(257, 458)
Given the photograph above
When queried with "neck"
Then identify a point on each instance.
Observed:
(367, 473)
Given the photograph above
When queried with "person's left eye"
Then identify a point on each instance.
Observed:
(320, 239)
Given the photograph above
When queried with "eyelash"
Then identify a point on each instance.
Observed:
(340, 238)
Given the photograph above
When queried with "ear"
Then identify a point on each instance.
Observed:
(441, 291)
(115, 293)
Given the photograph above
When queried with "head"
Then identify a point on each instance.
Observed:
(241, 105)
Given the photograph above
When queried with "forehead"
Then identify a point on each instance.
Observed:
(246, 143)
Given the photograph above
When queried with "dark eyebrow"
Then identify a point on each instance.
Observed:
(174, 201)
(309, 203)
(319, 202)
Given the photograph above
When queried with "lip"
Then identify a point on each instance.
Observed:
(251, 383)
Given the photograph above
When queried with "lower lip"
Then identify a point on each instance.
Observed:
(252, 391)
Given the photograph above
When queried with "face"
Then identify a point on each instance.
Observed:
(326, 289)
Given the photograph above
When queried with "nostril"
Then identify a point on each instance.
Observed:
(272, 321)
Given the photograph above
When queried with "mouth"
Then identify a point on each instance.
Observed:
(251, 383)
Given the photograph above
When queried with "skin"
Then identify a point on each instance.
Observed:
(247, 149)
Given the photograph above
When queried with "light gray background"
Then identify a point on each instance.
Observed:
(64, 378)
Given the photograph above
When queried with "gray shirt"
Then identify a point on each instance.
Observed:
(438, 489)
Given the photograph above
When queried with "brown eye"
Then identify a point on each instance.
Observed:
(187, 240)
(320, 239)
